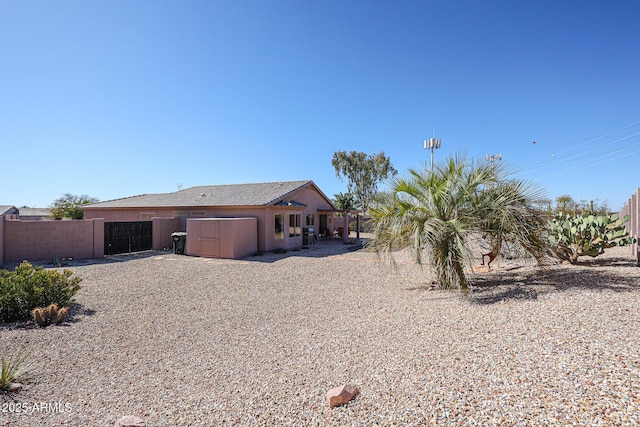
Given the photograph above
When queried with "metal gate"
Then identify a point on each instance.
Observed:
(123, 237)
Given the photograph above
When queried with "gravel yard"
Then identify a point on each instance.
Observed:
(185, 341)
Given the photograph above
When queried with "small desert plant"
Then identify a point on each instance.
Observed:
(14, 369)
(28, 287)
(45, 316)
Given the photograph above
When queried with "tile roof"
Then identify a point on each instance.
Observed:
(34, 211)
(260, 194)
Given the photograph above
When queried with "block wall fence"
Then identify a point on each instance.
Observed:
(78, 239)
(632, 208)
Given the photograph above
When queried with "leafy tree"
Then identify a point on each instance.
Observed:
(436, 214)
(67, 206)
(363, 172)
(565, 204)
(594, 207)
(382, 198)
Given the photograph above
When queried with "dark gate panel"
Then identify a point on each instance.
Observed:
(123, 237)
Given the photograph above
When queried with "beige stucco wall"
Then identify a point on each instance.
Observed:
(42, 240)
(162, 229)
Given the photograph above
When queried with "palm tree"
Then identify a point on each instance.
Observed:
(344, 201)
(436, 214)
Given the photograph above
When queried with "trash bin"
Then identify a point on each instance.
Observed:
(179, 240)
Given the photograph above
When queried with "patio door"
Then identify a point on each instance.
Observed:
(323, 224)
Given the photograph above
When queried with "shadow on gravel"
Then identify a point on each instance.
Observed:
(607, 262)
(107, 259)
(77, 312)
(529, 284)
(322, 249)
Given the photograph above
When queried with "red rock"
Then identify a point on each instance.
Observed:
(341, 395)
(130, 421)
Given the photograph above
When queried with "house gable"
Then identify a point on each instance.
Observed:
(8, 210)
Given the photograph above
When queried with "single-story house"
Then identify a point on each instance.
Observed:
(35, 214)
(8, 210)
(282, 209)
(26, 214)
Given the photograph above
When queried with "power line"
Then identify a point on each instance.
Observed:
(584, 158)
(572, 147)
(597, 161)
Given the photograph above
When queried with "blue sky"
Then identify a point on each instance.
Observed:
(119, 98)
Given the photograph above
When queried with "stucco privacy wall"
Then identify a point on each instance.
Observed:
(632, 208)
(41, 240)
(162, 229)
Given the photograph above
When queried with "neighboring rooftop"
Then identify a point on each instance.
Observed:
(257, 194)
(7, 209)
(34, 212)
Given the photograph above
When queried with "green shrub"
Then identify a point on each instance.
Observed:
(28, 287)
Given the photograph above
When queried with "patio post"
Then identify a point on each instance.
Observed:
(345, 233)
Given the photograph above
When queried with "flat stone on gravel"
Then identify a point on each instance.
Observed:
(340, 395)
(130, 421)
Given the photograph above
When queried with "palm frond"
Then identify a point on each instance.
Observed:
(436, 213)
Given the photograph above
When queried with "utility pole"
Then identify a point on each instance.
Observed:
(432, 144)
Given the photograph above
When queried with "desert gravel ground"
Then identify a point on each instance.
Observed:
(185, 341)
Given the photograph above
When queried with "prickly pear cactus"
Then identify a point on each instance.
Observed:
(587, 234)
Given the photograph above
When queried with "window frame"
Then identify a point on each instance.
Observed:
(278, 233)
(295, 225)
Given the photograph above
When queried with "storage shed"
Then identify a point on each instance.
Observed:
(230, 238)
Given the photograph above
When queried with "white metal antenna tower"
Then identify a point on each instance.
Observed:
(493, 157)
(432, 144)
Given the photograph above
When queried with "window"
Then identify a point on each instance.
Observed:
(179, 213)
(198, 213)
(146, 216)
(279, 226)
(294, 225)
(310, 220)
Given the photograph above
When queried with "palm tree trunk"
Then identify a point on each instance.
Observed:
(462, 279)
